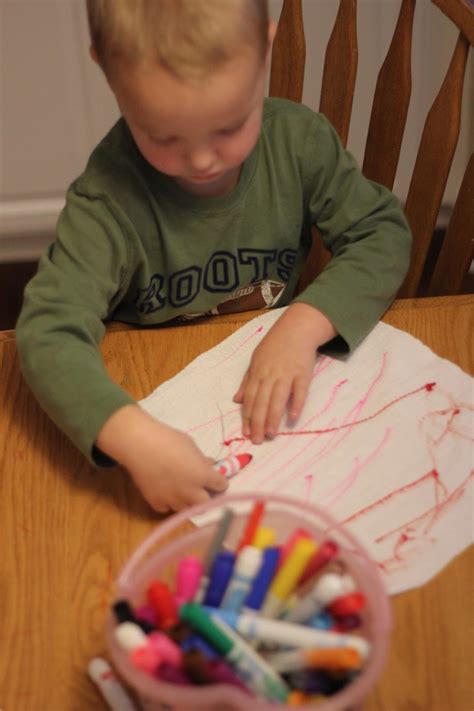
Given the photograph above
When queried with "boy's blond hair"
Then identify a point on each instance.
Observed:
(188, 37)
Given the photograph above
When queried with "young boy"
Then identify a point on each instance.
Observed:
(201, 200)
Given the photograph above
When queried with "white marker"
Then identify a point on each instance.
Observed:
(109, 686)
(329, 587)
(287, 633)
(246, 568)
(130, 636)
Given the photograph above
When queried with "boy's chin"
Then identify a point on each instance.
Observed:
(217, 185)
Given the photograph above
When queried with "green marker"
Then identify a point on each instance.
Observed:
(249, 665)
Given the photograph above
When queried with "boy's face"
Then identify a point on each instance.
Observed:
(198, 132)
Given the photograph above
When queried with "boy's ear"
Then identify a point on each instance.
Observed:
(272, 29)
(93, 54)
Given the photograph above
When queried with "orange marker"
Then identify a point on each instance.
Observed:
(327, 658)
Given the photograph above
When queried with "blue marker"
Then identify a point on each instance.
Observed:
(263, 579)
(220, 574)
(196, 642)
(321, 621)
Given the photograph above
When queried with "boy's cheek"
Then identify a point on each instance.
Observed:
(163, 161)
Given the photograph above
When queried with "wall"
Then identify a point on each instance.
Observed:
(55, 104)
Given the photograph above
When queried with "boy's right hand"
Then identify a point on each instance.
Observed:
(167, 467)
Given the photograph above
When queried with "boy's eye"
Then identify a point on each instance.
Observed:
(230, 131)
(164, 141)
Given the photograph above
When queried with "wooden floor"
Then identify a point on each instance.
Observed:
(14, 277)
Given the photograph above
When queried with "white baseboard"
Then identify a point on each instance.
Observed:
(27, 227)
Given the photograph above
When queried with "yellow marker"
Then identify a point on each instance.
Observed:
(264, 537)
(287, 577)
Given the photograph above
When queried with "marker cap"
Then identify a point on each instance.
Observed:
(264, 537)
(193, 613)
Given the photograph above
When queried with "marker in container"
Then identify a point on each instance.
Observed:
(262, 581)
(328, 588)
(264, 537)
(109, 686)
(205, 671)
(252, 525)
(160, 598)
(245, 569)
(250, 666)
(124, 613)
(220, 574)
(346, 605)
(130, 636)
(232, 465)
(331, 659)
(297, 535)
(213, 549)
(147, 652)
(287, 576)
(322, 621)
(188, 577)
(287, 633)
(324, 554)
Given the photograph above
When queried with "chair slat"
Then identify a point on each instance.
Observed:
(461, 12)
(340, 69)
(289, 53)
(433, 162)
(457, 248)
(390, 105)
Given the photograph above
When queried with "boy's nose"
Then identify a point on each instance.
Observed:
(201, 160)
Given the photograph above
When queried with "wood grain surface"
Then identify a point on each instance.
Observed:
(66, 530)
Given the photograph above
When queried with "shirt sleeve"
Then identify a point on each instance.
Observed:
(362, 224)
(80, 279)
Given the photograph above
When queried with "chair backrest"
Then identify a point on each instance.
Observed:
(387, 124)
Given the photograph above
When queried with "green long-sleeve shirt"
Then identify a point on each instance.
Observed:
(133, 246)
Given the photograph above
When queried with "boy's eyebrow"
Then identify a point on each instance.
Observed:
(172, 137)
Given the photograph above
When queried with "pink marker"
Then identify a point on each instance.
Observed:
(231, 465)
(188, 577)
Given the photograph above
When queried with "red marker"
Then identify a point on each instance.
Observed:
(162, 601)
(346, 605)
(323, 555)
(231, 465)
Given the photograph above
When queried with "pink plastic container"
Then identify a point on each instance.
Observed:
(159, 554)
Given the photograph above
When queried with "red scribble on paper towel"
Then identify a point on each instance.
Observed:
(428, 387)
(413, 535)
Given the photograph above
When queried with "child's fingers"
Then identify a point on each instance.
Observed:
(278, 402)
(239, 395)
(257, 415)
(248, 404)
(299, 394)
(216, 482)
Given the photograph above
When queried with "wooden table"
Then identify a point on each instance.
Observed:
(66, 530)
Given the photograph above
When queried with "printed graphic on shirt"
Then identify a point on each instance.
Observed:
(262, 295)
(244, 277)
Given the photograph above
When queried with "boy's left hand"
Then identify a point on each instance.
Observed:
(280, 370)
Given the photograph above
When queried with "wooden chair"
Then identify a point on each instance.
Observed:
(386, 128)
